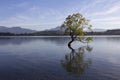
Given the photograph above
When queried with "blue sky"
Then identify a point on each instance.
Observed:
(46, 14)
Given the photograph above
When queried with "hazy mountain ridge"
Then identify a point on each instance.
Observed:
(15, 30)
(57, 31)
(58, 28)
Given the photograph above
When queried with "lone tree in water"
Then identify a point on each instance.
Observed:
(75, 25)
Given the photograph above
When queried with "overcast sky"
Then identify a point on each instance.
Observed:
(46, 14)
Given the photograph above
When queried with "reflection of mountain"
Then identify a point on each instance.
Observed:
(108, 38)
(15, 40)
(57, 40)
(22, 40)
(54, 40)
(114, 38)
(75, 62)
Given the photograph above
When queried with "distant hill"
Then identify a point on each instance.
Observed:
(114, 31)
(18, 31)
(58, 28)
(15, 30)
(99, 30)
(58, 31)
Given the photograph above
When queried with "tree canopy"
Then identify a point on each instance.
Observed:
(76, 26)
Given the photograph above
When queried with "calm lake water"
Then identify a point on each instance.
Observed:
(49, 58)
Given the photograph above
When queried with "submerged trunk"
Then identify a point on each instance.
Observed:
(69, 44)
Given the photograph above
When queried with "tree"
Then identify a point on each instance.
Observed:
(75, 25)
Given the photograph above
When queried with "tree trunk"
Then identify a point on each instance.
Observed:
(69, 44)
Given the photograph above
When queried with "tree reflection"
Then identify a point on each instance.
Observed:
(75, 62)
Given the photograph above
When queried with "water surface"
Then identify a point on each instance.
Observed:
(49, 58)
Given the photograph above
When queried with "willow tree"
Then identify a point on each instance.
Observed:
(76, 26)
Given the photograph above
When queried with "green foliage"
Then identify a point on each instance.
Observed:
(75, 25)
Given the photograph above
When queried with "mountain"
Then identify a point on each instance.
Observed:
(99, 30)
(113, 31)
(58, 28)
(16, 30)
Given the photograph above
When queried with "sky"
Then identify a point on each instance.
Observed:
(46, 14)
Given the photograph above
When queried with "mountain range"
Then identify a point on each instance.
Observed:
(20, 30)
(58, 29)
(15, 30)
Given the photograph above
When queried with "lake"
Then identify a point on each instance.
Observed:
(49, 58)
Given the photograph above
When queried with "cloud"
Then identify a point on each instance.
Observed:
(111, 10)
(23, 4)
(37, 16)
(107, 19)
